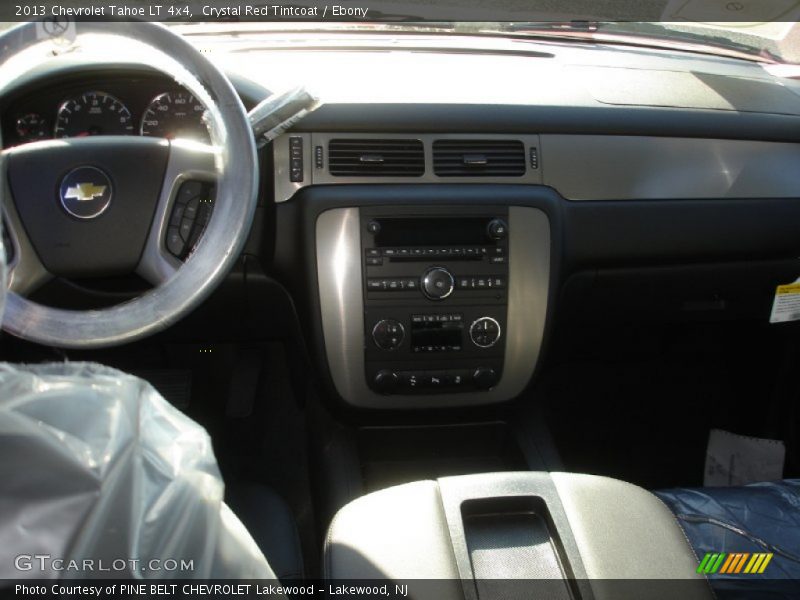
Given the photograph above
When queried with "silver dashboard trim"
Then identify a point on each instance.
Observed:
(338, 254)
(284, 189)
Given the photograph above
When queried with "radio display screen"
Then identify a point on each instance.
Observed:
(465, 231)
(436, 335)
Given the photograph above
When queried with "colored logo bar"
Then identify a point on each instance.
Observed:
(731, 563)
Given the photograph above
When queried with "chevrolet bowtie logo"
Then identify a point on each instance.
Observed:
(83, 192)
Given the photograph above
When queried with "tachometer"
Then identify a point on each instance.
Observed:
(175, 115)
(93, 113)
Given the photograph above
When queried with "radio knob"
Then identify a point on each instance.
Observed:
(497, 229)
(385, 381)
(484, 332)
(437, 283)
(388, 334)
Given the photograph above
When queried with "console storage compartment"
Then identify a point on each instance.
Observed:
(516, 535)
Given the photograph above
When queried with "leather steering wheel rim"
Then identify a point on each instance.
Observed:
(235, 160)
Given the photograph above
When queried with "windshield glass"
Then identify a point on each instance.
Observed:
(774, 41)
(767, 42)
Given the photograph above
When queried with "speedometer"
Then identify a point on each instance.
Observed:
(93, 113)
(175, 115)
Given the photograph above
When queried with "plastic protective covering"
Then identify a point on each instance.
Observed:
(96, 466)
(760, 517)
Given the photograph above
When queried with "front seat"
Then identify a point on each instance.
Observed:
(102, 477)
(751, 521)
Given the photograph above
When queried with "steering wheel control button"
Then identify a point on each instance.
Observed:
(85, 192)
(437, 283)
(388, 334)
(484, 332)
(497, 229)
(175, 243)
(190, 214)
(484, 378)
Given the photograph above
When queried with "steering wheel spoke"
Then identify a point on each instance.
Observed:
(25, 272)
(176, 225)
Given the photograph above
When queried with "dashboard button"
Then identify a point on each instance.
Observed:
(374, 227)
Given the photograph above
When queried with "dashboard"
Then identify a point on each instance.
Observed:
(82, 106)
(654, 205)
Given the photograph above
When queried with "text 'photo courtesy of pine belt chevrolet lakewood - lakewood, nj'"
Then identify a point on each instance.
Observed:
(400, 299)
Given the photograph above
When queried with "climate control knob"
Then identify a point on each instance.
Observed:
(484, 332)
(388, 334)
(437, 283)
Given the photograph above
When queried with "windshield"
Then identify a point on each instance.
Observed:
(774, 41)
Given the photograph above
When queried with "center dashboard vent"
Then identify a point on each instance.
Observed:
(376, 158)
(478, 158)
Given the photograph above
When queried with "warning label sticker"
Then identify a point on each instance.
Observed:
(786, 305)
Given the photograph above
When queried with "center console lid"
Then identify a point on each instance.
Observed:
(516, 535)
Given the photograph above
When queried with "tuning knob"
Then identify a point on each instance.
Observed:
(385, 381)
(437, 283)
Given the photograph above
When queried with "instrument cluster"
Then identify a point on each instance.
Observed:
(113, 106)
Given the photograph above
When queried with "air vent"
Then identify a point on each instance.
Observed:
(478, 158)
(376, 158)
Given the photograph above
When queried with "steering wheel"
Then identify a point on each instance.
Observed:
(84, 207)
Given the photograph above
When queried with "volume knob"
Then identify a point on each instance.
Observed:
(437, 283)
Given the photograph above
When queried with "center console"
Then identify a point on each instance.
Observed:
(516, 535)
(432, 307)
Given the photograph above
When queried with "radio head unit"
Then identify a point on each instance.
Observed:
(435, 296)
